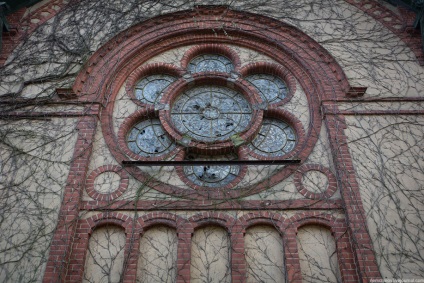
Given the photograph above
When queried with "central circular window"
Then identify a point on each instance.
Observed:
(211, 113)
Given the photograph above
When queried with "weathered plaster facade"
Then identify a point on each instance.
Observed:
(351, 211)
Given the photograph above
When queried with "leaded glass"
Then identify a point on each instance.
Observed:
(148, 138)
(149, 89)
(210, 63)
(211, 113)
(271, 88)
(212, 176)
(275, 138)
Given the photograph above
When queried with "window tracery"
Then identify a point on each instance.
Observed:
(200, 112)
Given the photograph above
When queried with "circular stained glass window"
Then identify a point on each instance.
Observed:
(275, 138)
(149, 89)
(271, 88)
(212, 176)
(148, 138)
(210, 63)
(211, 113)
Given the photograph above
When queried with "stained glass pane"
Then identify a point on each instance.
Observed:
(275, 138)
(271, 88)
(212, 176)
(210, 113)
(149, 89)
(148, 138)
(210, 63)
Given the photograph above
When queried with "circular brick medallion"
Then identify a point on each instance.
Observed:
(107, 183)
(315, 181)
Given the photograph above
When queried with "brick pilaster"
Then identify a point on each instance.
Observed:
(57, 265)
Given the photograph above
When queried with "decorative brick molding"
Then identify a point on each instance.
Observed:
(123, 183)
(329, 191)
(211, 48)
(212, 204)
(401, 25)
(364, 256)
(235, 227)
(84, 230)
(272, 69)
(25, 26)
(340, 231)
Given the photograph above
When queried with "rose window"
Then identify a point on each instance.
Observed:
(207, 112)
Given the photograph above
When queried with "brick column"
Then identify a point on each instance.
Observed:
(238, 262)
(366, 264)
(57, 265)
(132, 247)
(184, 253)
(345, 255)
(291, 253)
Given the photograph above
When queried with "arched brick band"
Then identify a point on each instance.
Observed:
(211, 48)
(85, 228)
(137, 47)
(123, 183)
(332, 182)
(339, 230)
(235, 227)
(27, 24)
(272, 69)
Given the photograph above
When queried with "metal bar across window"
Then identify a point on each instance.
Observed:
(209, 162)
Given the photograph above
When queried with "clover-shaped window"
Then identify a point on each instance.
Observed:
(148, 138)
(149, 89)
(210, 63)
(275, 138)
(271, 88)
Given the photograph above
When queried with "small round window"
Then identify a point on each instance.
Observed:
(275, 138)
(271, 88)
(149, 89)
(210, 63)
(148, 138)
(211, 113)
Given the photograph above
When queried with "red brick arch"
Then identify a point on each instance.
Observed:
(338, 228)
(83, 233)
(24, 26)
(317, 72)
